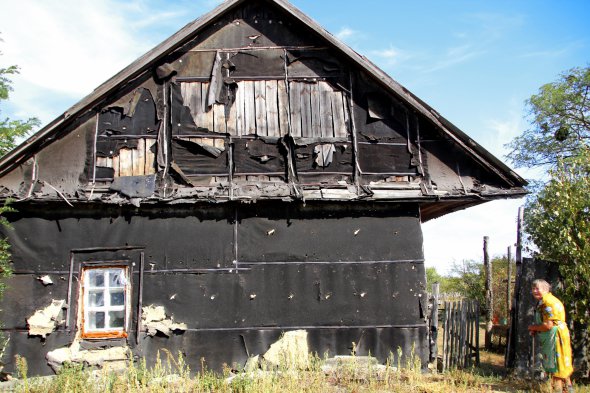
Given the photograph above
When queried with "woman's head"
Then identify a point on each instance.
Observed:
(539, 288)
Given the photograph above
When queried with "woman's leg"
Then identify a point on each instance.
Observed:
(557, 384)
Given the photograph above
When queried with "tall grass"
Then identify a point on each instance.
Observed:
(172, 374)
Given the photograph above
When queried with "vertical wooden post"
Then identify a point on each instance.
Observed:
(508, 282)
(452, 345)
(477, 334)
(445, 338)
(434, 323)
(518, 255)
(462, 331)
(489, 295)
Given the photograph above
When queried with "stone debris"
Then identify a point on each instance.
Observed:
(113, 358)
(44, 321)
(153, 319)
(252, 364)
(290, 351)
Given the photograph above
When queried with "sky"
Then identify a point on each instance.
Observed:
(474, 61)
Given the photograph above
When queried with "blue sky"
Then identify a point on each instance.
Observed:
(474, 61)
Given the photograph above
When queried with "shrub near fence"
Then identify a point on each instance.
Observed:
(460, 334)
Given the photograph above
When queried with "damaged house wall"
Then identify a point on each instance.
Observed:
(250, 175)
(335, 283)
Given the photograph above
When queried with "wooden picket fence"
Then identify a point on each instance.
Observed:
(460, 334)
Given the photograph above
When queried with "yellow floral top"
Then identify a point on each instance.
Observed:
(556, 342)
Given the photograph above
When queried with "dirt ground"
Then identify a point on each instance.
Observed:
(492, 365)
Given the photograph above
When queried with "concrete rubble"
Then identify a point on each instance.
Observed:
(290, 351)
(113, 358)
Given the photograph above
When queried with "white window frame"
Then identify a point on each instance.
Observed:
(107, 330)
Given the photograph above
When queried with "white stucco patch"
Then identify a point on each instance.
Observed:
(44, 321)
(153, 319)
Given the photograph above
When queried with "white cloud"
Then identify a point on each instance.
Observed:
(68, 48)
(502, 130)
(453, 56)
(494, 25)
(389, 56)
(346, 33)
(555, 52)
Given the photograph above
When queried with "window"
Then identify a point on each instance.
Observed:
(105, 300)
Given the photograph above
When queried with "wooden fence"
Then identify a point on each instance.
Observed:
(460, 334)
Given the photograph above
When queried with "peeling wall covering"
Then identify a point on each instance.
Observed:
(44, 321)
(154, 320)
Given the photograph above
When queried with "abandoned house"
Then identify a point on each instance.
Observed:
(249, 176)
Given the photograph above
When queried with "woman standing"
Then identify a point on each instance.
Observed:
(554, 335)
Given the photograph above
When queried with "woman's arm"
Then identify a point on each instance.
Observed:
(543, 327)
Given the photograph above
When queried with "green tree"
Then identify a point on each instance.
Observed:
(557, 220)
(5, 257)
(560, 122)
(468, 279)
(557, 214)
(10, 132)
(432, 276)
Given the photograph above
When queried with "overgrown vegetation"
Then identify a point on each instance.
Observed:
(557, 215)
(557, 220)
(559, 115)
(5, 269)
(467, 279)
(10, 132)
(173, 375)
(10, 129)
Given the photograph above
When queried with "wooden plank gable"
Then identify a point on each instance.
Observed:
(288, 103)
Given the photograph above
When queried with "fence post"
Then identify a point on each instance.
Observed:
(469, 341)
(477, 333)
(445, 361)
(434, 323)
(489, 293)
(452, 336)
(508, 281)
